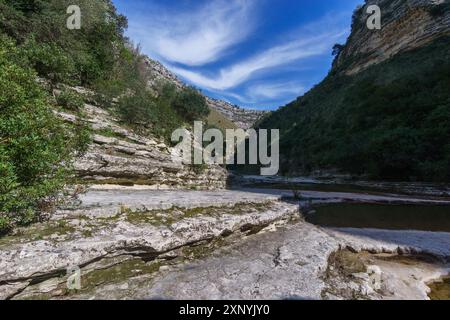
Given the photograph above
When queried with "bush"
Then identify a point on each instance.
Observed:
(50, 61)
(439, 9)
(191, 104)
(35, 145)
(70, 56)
(167, 91)
(70, 100)
(137, 108)
(149, 114)
(170, 109)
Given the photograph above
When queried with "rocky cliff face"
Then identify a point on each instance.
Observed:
(118, 156)
(243, 118)
(406, 25)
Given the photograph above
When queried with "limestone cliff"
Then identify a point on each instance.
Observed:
(119, 156)
(406, 25)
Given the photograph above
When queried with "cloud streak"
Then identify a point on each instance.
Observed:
(274, 91)
(220, 46)
(276, 56)
(196, 37)
(268, 91)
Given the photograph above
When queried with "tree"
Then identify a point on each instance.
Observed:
(337, 49)
(191, 104)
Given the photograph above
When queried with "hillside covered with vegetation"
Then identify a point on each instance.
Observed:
(390, 121)
(39, 54)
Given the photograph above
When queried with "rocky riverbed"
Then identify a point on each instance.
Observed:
(243, 244)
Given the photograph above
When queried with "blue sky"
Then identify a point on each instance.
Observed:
(258, 54)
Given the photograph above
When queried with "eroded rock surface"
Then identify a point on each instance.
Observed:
(33, 261)
(364, 275)
(120, 156)
(406, 24)
(292, 263)
(154, 244)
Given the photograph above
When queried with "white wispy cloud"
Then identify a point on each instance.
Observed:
(188, 40)
(195, 37)
(276, 56)
(268, 91)
(274, 90)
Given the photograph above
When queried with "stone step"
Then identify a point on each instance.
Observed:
(107, 203)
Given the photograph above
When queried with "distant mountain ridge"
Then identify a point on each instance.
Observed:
(242, 118)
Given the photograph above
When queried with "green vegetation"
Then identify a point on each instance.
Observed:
(191, 103)
(100, 57)
(33, 142)
(391, 121)
(70, 100)
(36, 148)
(216, 120)
(440, 9)
(161, 114)
(79, 56)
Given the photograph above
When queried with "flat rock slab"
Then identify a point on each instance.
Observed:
(286, 261)
(325, 196)
(286, 264)
(97, 203)
(110, 202)
(290, 264)
(117, 224)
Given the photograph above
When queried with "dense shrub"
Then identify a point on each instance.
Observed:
(35, 146)
(137, 108)
(437, 10)
(145, 112)
(70, 100)
(191, 104)
(79, 56)
(161, 114)
(129, 76)
(50, 61)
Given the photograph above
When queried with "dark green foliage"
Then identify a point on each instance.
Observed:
(168, 110)
(85, 55)
(70, 100)
(34, 143)
(35, 147)
(81, 138)
(50, 61)
(440, 9)
(27, 7)
(136, 108)
(191, 104)
(391, 121)
(129, 75)
(337, 49)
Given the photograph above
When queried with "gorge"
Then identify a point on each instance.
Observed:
(359, 210)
